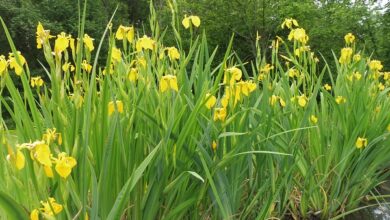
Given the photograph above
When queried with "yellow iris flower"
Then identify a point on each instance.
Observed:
(125, 32)
(42, 35)
(3, 64)
(219, 114)
(211, 101)
(375, 65)
(145, 43)
(298, 34)
(168, 82)
(61, 43)
(349, 38)
(133, 74)
(88, 42)
(116, 55)
(64, 165)
(36, 81)
(289, 23)
(346, 55)
(195, 20)
(232, 75)
(18, 67)
(340, 100)
(361, 142)
(111, 107)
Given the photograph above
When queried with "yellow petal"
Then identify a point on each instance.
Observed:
(120, 33)
(48, 171)
(164, 85)
(116, 55)
(63, 169)
(34, 215)
(186, 22)
(41, 153)
(302, 101)
(19, 160)
(211, 101)
(130, 35)
(133, 75)
(88, 41)
(173, 53)
(195, 21)
(173, 84)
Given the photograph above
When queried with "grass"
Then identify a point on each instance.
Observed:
(286, 147)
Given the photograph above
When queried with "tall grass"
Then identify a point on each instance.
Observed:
(287, 146)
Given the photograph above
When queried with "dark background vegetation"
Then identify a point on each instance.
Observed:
(326, 21)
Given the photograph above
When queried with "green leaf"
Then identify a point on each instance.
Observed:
(12, 208)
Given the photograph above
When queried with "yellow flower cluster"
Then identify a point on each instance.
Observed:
(41, 153)
(50, 208)
(235, 89)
